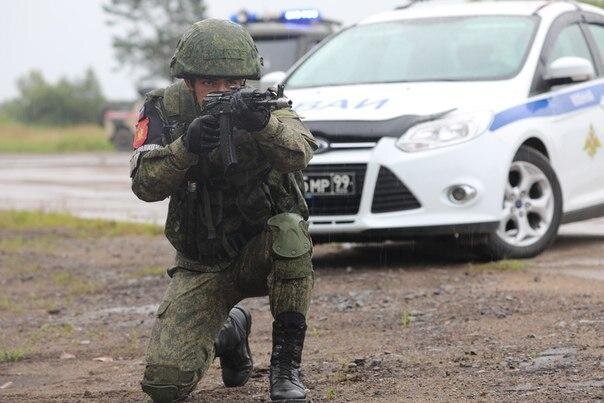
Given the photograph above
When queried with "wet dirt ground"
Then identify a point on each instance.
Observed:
(387, 323)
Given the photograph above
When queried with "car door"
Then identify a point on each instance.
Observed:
(594, 143)
(576, 114)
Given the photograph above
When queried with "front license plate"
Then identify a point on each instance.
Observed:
(329, 184)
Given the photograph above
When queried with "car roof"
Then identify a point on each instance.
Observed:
(428, 9)
(260, 30)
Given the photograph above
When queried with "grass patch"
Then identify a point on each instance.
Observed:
(74, 285)
(62, 278)
(340, 376)
(502, 265)
(406, 319)
(12, 355)
(131, 346)
(19, 138)
(36, 220)
(15, 264)
(36, 244)
(9, 305)
(330, 394)
(48, 333)
(49, 304)
(151, 271)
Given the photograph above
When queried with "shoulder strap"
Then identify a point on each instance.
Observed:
(179, 103)
(177, 108)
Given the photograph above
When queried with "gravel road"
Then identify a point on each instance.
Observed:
(98, 185)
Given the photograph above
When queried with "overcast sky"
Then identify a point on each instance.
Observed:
(63, 37)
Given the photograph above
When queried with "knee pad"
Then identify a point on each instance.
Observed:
(290, 235)
(165, 383)
(291, 246)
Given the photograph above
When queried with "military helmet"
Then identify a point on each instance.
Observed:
(216, 48)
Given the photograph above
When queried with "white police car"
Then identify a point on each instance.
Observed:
(481, 118)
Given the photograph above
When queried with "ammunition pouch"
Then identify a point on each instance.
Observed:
(217, 257)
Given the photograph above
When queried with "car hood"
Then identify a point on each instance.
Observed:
(374, 102)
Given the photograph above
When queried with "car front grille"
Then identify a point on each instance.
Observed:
(391, 194)
(337, 205)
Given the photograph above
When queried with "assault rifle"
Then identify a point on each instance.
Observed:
(219, 105)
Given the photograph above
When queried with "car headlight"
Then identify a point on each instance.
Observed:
(452, 129)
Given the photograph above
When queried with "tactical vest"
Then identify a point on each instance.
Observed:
(212, 216)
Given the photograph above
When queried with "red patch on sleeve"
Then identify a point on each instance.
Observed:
(140, 133)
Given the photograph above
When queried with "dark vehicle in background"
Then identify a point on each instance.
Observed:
(118, 129)
(119, 118)
(282, 39)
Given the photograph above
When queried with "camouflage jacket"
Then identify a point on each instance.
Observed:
(211, 215)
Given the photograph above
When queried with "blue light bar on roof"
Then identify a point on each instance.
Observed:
(301, 15)
(243, 17)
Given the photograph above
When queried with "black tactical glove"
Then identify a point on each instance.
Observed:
(203, 135)
(245, 116)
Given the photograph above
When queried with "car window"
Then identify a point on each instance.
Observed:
(430, 49)
(597, 31)
(278, 54)
(570, 42)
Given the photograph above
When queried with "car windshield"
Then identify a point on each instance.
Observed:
(277, 54)
(435, 49)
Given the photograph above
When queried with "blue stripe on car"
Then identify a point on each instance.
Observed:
(551, 106)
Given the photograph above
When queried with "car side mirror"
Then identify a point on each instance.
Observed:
(271, 80)
(567, 70)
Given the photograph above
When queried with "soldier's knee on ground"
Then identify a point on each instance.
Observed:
(165, 383)
(291, 281)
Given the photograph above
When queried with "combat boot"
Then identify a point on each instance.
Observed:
(232, 347)
(289, 329)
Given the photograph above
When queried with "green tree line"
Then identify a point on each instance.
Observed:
(597, 3)
(62, 103)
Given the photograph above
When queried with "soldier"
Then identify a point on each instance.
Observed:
(238, 234)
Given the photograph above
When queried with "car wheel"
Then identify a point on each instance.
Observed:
(532, 209)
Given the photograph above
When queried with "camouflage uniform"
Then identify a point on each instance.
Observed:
(236, 236)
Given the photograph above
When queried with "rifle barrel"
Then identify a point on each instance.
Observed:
(276, 103)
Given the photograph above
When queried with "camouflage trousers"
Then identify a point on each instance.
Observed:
(196, 305)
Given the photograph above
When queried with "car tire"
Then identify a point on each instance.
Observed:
(532, 206)
(122, 139)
